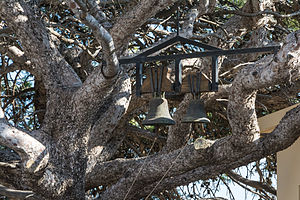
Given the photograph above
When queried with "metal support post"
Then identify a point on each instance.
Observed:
(214, 69)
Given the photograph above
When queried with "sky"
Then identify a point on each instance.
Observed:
(238, 192)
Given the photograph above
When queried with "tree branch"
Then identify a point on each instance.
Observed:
(38, 45)
(115, 105)
(283, 67)
(19, 194)
(10, 68)
(132, 130)
(256, 184)
(102, 36)
(33, 153)
(225, 156)
(127, 24)
(97, 94)
(20, 61)
(260, 13)
(108, 126)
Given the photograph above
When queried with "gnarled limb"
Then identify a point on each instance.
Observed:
(90, 97)
(222, 155)
(37, 45)
(283, 67)
(33, 153)
(105, 128)
(102, 36)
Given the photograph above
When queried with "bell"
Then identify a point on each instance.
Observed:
(195, 113)
(158, 113)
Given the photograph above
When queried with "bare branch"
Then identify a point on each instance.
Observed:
(102, 35)
(264, 195)
(188, 25)
(19, 194)
(17, 55)
(264, 12)
(105, 131)
(252, 183)
(90, 97)
(95, 10)
(116, 106)
(71, 41)
(33, 153)
(132, 130)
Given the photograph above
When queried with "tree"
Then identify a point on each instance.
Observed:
(71, 124)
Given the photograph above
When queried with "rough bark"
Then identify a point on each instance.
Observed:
(86, 118)
(198, 164)
(125, 26)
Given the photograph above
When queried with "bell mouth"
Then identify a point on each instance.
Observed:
(196, 120)
(159, 121)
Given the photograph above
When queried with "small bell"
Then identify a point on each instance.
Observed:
(195, 113)
(158, 113)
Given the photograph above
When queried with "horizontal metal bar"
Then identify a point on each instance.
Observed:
(200, 54)
(214, 68)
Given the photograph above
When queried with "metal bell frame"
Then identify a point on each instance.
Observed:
(209, 51)
(212, 52)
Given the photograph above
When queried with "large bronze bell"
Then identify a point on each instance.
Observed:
(158, 113)
(195, 113)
